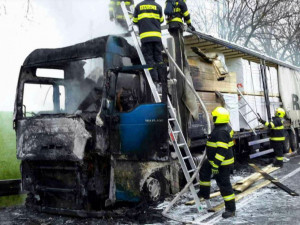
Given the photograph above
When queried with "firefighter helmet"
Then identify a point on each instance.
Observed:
(220, 115)
(280, 112)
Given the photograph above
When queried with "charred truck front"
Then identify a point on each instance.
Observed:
(88, 134)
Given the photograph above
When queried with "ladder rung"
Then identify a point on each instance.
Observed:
(251, 120)
(181, 144)
(192, 170)
(247, 113)
(242, 106)
(196, 184)
(187, 157)
(171, 119)
(176, 132)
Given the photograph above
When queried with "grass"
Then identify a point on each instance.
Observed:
(9, 165)
(12, 200)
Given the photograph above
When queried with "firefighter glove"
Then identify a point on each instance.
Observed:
(214, 171)
(191, 27)
(261, 120)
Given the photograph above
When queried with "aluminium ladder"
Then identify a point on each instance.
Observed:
(181, 148)
(251, 111)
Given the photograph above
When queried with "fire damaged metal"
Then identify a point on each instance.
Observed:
(80, 152)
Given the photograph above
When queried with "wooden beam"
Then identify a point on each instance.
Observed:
(274, 181)
(252, 179)
(243, 184)
(242, 195)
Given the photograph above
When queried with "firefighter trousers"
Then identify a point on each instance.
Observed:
(223, 182)
(152, 52)
(278, 147)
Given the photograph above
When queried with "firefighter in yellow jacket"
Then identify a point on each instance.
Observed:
(148, 16)
(116, 13)
(277, 135)
(219, 161)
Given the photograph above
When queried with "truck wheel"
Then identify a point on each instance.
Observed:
(287, 144)
(153, 189)
(293, 141)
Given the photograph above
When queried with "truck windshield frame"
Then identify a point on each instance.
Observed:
(78, 90)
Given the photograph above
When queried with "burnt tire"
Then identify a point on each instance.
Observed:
(154, 188)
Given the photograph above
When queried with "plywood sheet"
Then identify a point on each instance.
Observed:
(205, 77)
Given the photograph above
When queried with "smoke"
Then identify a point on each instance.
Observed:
(46, 24)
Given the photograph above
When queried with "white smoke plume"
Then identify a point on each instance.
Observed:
(46, 24)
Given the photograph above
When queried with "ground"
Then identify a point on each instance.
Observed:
(268, 205)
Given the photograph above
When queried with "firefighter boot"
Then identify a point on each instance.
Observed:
(229, 209)
(228, 214)
(278, 163)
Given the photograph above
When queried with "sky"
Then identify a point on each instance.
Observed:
(49, 24)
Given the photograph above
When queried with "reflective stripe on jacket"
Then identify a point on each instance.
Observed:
(219, 146)
(148, 16)
(115, 8)
(277, 129)
(180, 11)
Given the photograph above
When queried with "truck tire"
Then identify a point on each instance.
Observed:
(154, 188)
(293, 141)
(287, 143)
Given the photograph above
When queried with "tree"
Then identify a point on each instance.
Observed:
(4, 10)
(270, 26)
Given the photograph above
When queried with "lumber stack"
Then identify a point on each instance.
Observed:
(242, 186)
(242, 73)
(205, 77)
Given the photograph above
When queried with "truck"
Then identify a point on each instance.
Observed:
(90, 136)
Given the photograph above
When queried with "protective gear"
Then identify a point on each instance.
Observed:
(228, 214)
(170, 8)
(214, 171)
(220, 115)
(115, 11)
(219, 157)
(280, 112)
(278, 162)
(277, 129)
(148, 16)
(175, 22)
(180, 11)
(261, 121)
(277, 138)
(191, 27)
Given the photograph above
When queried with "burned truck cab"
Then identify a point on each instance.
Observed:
(88, 134)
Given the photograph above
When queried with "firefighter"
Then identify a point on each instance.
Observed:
(177, 13)
(219, 161)
(148, 16)
(175, 21)
(180, 12)
(116, 13)
(277, 135)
